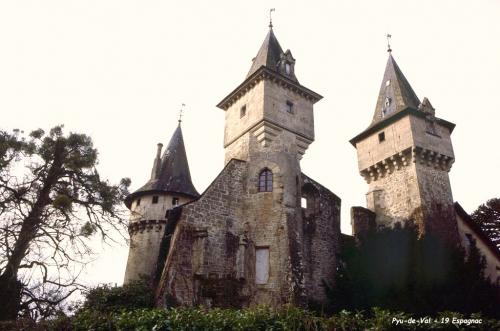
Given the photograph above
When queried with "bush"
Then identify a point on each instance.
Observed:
(251, 319)
(105, 298)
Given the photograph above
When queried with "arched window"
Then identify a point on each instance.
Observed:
(266, 181)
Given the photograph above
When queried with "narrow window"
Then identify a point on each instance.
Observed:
(261, 265)
(266, 181)
(155, 199)
(243, 111)
(289, 107)
(381, 137)
(303, 202)
(288, 68)
(175, 201)
(138, 202)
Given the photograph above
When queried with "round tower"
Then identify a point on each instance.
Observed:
(170, 185)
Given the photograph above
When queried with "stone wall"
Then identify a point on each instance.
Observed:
(362, 221)
(205, 243)
(406, 166)
(146, 229)
(394, 197)
(321, 243)
(212, 249)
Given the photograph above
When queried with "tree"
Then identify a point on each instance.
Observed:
(52, 200)
(399, 270)
(487, 216)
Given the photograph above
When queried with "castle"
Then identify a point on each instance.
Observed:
(263, 232)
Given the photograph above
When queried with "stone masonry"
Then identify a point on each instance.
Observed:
(405, 156)
(239, 244)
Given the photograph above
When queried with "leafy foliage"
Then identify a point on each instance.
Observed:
(52, 200)
(252, 319)
(396, 269)
(487, 216)
(105, 298)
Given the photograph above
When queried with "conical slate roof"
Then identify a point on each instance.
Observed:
(170, 173)
(269, 54)
(395, 93)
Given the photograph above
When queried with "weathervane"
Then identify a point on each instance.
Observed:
(389, 43)
(271, 17)
(180, 113)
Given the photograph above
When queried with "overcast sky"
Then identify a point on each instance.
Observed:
(119, 70)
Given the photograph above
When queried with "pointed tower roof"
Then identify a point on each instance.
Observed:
(268, 55)
(170, 173)
(395, 100)
(395, 93)
(270, 61)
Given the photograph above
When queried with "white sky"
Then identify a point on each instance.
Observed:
(118, 70)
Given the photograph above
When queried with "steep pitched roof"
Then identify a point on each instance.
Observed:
(395, 93)
(269, 54)
(397, 99)
(170, 173)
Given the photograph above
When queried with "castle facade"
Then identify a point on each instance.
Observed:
(263, 232)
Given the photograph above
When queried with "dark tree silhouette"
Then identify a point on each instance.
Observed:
(487, 216)
(399, 270)
(52, 200)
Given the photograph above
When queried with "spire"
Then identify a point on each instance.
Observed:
(269, 53)
(170, 173)
(395, 93)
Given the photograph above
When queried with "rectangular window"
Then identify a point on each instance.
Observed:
(381, 137)
(175, 201)
(243, 111)
(303, 202)
(289, 107)
(261, 265)
(155, 199)
(138, 202)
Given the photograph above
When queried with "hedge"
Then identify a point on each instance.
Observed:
(251, 319)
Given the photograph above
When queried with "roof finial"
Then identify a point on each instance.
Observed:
(271, 17)
(389, 43)
(180, 113)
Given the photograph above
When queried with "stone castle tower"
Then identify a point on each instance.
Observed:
(405, 156)
(262, 232)
(170, 185)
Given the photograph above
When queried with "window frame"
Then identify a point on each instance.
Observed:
(267, 271)
(266, 180)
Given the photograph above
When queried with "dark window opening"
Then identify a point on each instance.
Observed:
(155, 199)
(243, 111)
(138, 202)
(289, 107)
(175, 201)
(266, 181)
(381, 137)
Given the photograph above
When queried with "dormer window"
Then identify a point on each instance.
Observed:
(387, 102)
(288, 68)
